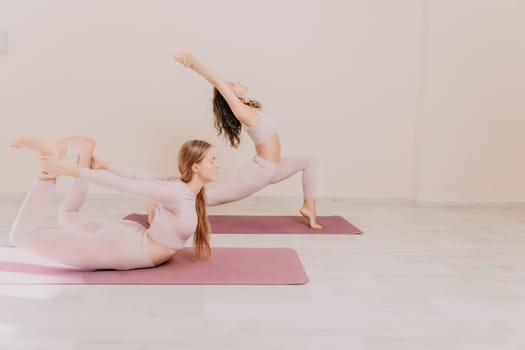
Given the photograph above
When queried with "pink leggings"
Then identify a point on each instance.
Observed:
(261, 172)
(81, 243)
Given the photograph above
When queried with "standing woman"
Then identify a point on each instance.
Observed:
(234, 111)
(121, 245)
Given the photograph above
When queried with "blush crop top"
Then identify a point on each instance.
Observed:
(175, 215)
(263, 131)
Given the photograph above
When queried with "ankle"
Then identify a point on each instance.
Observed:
(53, 181)
(84, 160)
(309, 204)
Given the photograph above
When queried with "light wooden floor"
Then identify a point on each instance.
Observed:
(419, 278)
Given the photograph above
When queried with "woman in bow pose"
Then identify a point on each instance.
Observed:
(86, 243)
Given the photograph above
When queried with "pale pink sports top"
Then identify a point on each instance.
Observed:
(175, 215)
(263, 131)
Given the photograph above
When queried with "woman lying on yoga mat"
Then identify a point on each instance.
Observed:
(234, 110)
(121, 245)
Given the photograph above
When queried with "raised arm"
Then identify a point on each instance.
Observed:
(244, 113)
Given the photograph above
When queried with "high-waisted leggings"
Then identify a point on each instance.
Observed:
(261, 172)
(81, 242)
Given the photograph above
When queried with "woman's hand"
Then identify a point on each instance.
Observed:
(98, 164)
(185, 58)
(51, 168)
(150, 210)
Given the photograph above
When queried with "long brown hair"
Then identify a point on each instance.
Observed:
(191, 152)
(225, 120)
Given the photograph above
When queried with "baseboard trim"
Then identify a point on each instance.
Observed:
(19, 196)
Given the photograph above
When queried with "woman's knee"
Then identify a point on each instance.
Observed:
(313, 161)
(19, 236)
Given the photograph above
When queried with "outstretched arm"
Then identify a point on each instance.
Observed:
(244, 113)
(123, 171)
(162, 191)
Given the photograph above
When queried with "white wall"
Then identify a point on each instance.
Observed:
(472, 116)
(381, 90)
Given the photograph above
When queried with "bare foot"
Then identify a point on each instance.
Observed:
(310, 215)
(55, 149)
(84, 146)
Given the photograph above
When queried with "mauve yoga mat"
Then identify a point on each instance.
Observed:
(268, 224)
(226, 266)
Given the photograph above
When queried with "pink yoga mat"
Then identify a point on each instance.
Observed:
(268, 224)
(226, 266)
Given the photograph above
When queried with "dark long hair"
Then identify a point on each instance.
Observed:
(225, 121)
(192, 152)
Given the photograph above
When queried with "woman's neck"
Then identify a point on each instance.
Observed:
(195, 185)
